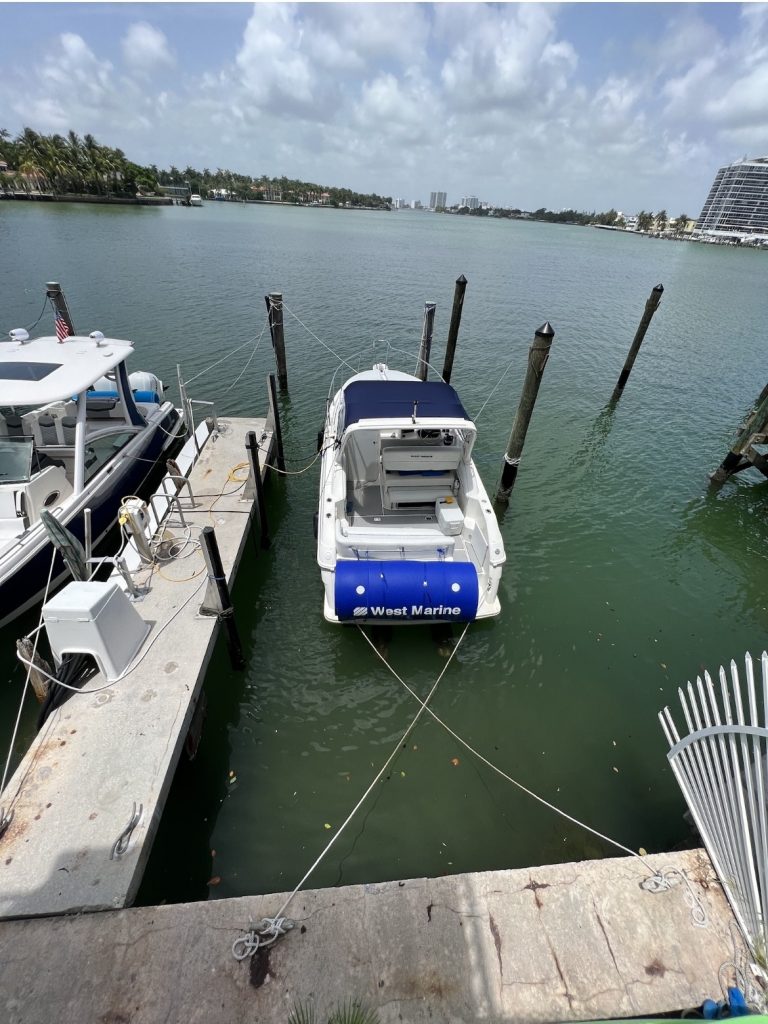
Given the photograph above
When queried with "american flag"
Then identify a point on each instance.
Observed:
(62, 327)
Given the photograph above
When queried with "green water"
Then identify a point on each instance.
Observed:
(625, 575)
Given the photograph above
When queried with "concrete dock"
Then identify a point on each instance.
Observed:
(559, 943)
(103, 753)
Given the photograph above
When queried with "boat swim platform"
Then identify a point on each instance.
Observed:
(579, 941)
(98, 755)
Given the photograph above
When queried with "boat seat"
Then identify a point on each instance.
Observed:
(418, 475)
(380, 544)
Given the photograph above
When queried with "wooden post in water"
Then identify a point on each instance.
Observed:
(56, 295)
(252, 447)
(275, 311)
(453, 330)
(217, 600)
(651, 305)
(537, 360)
(273, 421)
(742, 454)
(425, 349)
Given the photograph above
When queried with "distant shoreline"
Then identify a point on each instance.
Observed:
(50, 197)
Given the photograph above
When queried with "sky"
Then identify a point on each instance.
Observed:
(582, 105)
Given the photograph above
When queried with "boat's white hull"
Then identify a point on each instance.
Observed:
(406, 531)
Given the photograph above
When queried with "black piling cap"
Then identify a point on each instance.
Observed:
(461, 280)
(546, 330)
(659, 288)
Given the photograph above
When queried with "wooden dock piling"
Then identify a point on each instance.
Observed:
(217, 600)
(744, 451)
(257, 496)
(275, 312)
(273, 423)
(425, 349)
(59, 302)
(453, 330)
(651, 305)
(537, 360)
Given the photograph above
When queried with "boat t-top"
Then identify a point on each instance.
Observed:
(76, 433)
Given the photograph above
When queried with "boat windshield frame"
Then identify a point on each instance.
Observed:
(16, 459)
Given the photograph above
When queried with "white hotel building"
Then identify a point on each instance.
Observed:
(737, 204)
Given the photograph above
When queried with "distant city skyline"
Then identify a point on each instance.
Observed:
(589, 106)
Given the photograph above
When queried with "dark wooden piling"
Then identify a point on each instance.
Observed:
(743, 453)
(252, 448)
(651, 305)
(453, 330)
(425, 349)
(59, 302)
(275, 312)
(537, 360)
(273, 423)
(217, 600)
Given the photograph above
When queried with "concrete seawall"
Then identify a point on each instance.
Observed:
(558, 943)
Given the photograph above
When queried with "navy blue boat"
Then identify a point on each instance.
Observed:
(76, 433)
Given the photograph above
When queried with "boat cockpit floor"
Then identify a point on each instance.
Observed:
(364, 508)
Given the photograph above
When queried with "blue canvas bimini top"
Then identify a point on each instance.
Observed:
(393, 399)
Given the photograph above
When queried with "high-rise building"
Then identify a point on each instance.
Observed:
(737, 204)
(437, 200)
(471, 202)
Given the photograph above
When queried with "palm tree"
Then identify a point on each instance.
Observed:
(661, 220)
(681, 223)
(644, 221)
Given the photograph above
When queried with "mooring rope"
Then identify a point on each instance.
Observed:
(250, 360)
(223, 359)
(660, 879)
(251, 941)
(312, 333)
(4, 819)
(493, 391)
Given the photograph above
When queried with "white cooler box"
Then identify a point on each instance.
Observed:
(450, 518)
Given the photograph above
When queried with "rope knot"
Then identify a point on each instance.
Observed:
(264, 934)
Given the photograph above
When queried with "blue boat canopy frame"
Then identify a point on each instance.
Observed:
(394, 399)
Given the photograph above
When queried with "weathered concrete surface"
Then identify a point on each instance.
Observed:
(565, 942)
(74, 791)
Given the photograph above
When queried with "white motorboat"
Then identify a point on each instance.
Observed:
(405, 529)
(195, 200)
(76, 433)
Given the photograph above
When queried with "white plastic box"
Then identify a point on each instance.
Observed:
(95, 618)
(450, 518)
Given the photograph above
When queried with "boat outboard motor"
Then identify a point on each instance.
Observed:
(146, 387)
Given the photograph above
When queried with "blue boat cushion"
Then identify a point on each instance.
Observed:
(151, 397)
(405, 591)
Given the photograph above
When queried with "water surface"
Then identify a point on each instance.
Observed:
(625, 574)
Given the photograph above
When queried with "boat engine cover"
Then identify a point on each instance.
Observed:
(372, 591)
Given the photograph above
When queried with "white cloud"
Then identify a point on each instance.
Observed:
(145, 48)
(489, 99)
(272, 67)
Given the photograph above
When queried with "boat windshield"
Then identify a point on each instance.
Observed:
(15, 460)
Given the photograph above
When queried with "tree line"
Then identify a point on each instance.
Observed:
(69, 164)
(610, 218)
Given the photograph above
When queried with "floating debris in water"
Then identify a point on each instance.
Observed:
(215, 880)
(326, 825)
(455, 762)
